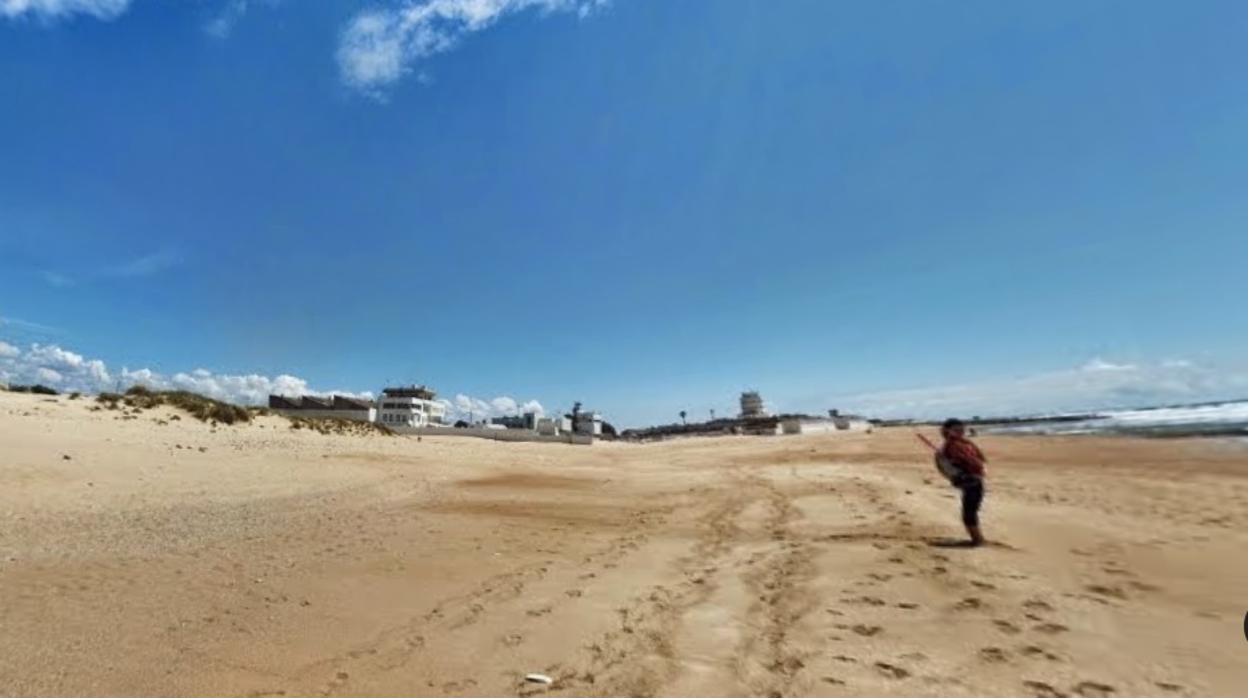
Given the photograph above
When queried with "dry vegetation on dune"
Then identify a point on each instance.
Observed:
(334, 425)
(202, 408)
(206, 409)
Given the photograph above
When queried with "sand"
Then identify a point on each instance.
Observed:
(146, 556)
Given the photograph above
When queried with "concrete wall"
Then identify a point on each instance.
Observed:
(822, 426)
(368, 415)
(499, 435)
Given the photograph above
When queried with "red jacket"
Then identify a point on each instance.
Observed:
(965, 455)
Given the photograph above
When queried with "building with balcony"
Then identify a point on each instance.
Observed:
(412, 407)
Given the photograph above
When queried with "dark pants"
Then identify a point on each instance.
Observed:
(972, 496)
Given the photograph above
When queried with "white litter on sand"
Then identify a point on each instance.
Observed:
(539, 678)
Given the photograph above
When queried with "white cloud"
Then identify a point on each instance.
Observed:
(472, 409)
(145, 265)
(57, 279)
(1098, 384)
(69, 371)
(18, 326)
(504, 405)
(1099, 364)
(60, 9)
(222, 24)
(379, 46)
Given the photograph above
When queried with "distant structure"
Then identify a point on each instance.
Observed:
(332, 407)
(589, 423)
(527, 421)
(805, 424)
(548, 426)
(410, 406)
(752, 405)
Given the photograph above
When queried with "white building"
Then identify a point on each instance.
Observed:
(820, 425)
(752, 405)
(588, 423)
(548, 426)
(410, 407)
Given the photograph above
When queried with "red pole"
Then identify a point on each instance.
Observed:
(925, 440)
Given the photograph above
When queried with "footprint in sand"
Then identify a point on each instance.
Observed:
(833, 681)
(1103, 590)
(908, 606)
(1006, 627)
(1037, 652)
(867, 630)
(983, 585)
(513, 639)
(868, 600)
(1051, 628)
(1037, 605)
(993, 655)
(339, 679)
(891, 671)
(1041, 689)
(970, 603)
(537, 612)
(1169, 687)
(1092, 689)
(458, 686)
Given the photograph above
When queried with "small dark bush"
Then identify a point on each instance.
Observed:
(37, 389)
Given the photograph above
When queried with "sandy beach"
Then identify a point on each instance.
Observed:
(152, 556)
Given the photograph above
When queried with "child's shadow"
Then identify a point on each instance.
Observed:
(951, 543)
(965, 543)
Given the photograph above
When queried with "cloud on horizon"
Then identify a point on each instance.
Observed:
(68, 371)
(378, 47)
(49, 10)
(471, 409)
(1098, 384)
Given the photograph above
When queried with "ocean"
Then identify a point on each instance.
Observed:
(1209, 419)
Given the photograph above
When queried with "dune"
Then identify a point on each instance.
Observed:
(150, 554)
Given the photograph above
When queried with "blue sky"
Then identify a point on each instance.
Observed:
(640, 204)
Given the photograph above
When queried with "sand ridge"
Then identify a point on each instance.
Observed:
(166, 557)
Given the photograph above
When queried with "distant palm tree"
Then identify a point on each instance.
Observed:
(682, 417)
(712, 415)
